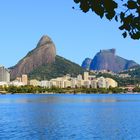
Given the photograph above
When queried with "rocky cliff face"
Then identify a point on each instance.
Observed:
(43, 54)
(108, 60)
(59, 68)
(86, 63)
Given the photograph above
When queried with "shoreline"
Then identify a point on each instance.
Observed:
(55, 90)
(68, 93)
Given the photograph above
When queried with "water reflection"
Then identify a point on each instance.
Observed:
(65, 117)
(64, 99)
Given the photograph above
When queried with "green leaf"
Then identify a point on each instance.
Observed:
(116, 18)
(132, 4)
(122, 16)
(124, 34)
(122, 27)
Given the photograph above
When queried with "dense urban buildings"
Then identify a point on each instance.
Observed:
(20, 81)
(87, 81)
(81, 81)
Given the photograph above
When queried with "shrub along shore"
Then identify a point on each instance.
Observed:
(39, 90)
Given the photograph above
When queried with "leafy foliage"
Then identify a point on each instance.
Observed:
(37, 89)
(136, 89)
(127, 12)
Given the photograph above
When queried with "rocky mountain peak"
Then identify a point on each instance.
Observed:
(86, 63)
(108, 60)
(44, 40)
(43, 54)
(112, 51)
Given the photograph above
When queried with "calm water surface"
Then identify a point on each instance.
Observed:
(70, 117)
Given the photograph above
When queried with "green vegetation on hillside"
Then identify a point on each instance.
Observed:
(135, 72)
(60, 67)
(122, 81)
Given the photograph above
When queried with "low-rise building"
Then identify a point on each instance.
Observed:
(124, 75)
(73, 83)
(94, 83)
(111, 83)
(87, 83)
(45, 84)
(35, 82)
(101, 82)
(16, 83)
(67, 84)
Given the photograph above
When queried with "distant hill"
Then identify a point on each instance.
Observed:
(43, 63)
(86, 63)
(134, 72)
(108, 60)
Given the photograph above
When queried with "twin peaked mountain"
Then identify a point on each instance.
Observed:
(43, 63)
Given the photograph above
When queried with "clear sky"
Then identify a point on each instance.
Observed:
(76, 35)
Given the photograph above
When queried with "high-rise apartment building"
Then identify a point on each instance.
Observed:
(24, 79)
(86, 76)
(4, 74)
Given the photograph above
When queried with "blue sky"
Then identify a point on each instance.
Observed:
(75, 34)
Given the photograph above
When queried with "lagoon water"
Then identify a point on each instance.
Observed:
(70, 117)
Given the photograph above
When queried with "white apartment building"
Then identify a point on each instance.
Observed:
(16, 83)
(101, 82)
(45, 84)
(87, 83)
(94, 83)
(35, 82)
(86, 76)
(111, 83)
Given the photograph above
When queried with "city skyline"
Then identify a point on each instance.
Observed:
(71, 30)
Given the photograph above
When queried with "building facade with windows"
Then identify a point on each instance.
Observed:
(4, 74)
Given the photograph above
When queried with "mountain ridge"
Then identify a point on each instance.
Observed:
(43, 55)
(108, 60)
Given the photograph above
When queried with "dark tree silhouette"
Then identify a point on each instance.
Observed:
(127, 12)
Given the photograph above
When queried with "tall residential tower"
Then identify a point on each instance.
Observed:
(4, 74)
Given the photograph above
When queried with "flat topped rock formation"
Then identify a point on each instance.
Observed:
(43, 54)
(108, 60)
